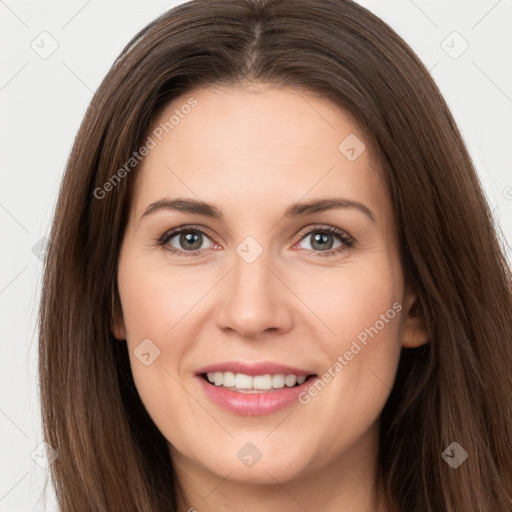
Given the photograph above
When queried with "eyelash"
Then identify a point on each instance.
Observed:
(348, 242)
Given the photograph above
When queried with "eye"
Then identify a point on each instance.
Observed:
(322, 243)
(189, 240)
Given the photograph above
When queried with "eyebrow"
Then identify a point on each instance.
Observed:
(295, 210)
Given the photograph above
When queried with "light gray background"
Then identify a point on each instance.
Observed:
(42, 101)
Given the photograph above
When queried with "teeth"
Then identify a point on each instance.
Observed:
(262, 382)
(278, 381)
(228, 379)
(240, 381)
(290, 380)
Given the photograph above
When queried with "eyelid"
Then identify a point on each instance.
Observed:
(187, 227)
(322, 227)
(347, 241)
(171, 233)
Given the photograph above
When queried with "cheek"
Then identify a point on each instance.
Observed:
(151, 309)
(361, 311)
(349, 300)
(154, 300)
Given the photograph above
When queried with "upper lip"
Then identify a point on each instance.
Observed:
(261, 368)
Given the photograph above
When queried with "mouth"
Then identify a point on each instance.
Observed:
(255, 388)
(250, 384)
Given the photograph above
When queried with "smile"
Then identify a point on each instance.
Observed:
(244, 383)
(253, 389)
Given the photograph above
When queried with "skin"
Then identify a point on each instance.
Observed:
(253, 150)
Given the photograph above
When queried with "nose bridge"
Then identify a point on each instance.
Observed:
(254, 298)
(252, 280)
(250, 272)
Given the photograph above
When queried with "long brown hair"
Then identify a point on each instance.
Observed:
(457, 388)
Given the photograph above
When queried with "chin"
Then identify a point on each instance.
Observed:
(264, 472)
(246, 463)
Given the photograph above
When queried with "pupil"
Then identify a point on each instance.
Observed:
(191, 238)
(322, 238)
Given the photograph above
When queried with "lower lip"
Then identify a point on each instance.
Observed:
(253, 404)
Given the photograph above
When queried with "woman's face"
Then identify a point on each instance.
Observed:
(263, 288)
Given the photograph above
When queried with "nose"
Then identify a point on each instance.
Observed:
(255, 299)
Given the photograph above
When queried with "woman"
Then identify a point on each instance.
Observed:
(367, 370)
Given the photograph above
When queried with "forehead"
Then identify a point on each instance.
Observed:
(257, 145)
